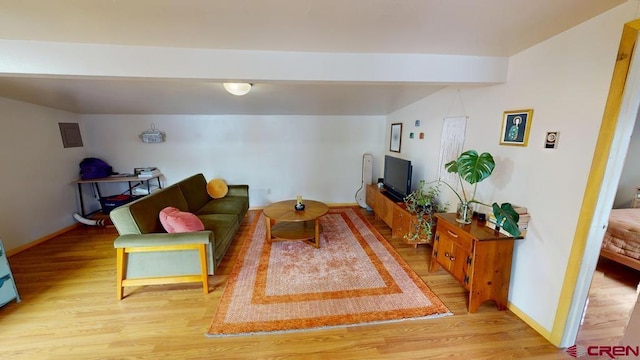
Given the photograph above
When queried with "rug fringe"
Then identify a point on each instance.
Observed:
(329, 327)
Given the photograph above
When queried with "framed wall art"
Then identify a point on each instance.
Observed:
(395, 140)
(515, 127)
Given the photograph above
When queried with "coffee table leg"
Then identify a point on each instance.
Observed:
(268, 227)
(317, 243)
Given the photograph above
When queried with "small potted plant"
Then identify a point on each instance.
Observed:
(474, 168)
(423, 202)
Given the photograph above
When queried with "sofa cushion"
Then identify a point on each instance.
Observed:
(236, 205)
(145, 211)
(175, 221)
(224, 227)
(194, 189)
(217, 188)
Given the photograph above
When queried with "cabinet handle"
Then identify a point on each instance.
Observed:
(452, 234)
(452, 258)
(446, 254)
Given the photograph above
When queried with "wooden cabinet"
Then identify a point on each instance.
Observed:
(478, 257)
(8, 290)
(394, 214)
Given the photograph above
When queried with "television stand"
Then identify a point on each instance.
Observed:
(395, 198)
(393, 212)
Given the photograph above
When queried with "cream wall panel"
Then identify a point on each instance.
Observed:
(37, 196)
(630, 179)
(565, 80)
(318, 157)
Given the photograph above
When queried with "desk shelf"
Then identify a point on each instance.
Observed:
(133, 181)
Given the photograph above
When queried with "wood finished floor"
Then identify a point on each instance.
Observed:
(69, 311)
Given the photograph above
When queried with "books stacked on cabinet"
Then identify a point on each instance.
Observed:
(523, 222)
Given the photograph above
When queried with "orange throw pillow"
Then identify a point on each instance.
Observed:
(217, 188)
(175, 221)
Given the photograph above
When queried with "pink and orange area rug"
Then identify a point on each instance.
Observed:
(355, 277)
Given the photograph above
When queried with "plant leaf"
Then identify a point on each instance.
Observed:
(507, 218)
(451, 166)
(472, 167)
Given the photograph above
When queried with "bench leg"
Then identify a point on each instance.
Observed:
(121, 270)
(203, 268)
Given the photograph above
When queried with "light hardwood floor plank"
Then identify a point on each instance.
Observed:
(69, 311)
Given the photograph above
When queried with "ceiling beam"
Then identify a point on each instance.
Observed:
(54, 59)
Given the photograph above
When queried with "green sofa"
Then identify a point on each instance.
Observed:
(139, 226)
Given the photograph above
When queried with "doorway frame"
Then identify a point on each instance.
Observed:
(609, 155)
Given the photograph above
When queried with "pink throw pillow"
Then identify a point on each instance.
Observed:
(175, 221)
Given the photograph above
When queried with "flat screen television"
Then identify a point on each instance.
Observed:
(397, 177)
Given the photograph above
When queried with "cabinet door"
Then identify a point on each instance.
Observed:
(441, 250)
(460, 261)
(451, 256)
(385, 209)
(371, 196)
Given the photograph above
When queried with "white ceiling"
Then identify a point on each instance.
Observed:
(453, 27)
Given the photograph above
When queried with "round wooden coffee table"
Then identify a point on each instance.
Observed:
(285, 223)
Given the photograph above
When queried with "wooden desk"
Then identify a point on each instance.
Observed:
(132, 180)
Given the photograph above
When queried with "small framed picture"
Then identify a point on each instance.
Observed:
(396, 137)
(515, 127)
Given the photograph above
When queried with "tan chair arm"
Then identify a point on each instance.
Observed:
(164, 239)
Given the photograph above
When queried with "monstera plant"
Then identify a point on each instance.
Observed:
(474, 168)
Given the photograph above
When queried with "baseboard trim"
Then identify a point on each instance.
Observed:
(529, 321)
(41, 240)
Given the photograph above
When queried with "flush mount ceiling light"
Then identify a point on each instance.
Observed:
(237, 89)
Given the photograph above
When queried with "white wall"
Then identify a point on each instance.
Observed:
(566, 81)
(318, 157)
(37, 196)
(630, 178)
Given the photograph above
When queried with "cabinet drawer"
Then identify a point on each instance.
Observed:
(401, 223)
(455, 235)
